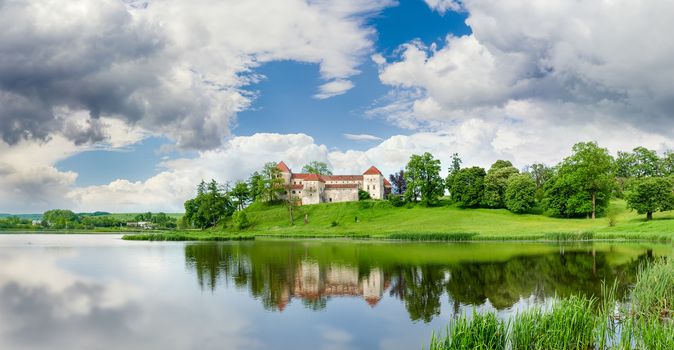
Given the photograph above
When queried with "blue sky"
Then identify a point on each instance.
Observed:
(285, 102)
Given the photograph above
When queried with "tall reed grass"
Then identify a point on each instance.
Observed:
(644, 321)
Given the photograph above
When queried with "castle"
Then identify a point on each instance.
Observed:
(314, 188)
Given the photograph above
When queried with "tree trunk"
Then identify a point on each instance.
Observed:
(649, 215)
(594, 205)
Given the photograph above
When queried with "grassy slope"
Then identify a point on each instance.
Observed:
(380, 219)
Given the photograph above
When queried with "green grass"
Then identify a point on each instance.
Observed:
(380, 220)
(181, 236)
(483, 331)
(644, 322)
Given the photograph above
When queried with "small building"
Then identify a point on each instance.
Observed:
(314, 188)
(146, 225)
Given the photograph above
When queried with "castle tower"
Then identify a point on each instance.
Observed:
(373, 183)
(286, 173)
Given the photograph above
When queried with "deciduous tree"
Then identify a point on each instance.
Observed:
(649, 195)
(520, 193)
(468, 186)
(495, 183)
(422, 175)
(316, 167)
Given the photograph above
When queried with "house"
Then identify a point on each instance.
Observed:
(314, 188)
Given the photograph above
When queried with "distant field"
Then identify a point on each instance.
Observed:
(381, 220)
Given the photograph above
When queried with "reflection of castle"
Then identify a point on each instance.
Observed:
(313, 283)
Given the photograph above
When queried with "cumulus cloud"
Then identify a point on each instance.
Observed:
(443, 6)
(362, 137)
(170, 67)
(534, 73)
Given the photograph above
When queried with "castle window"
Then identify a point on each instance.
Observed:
(293, 192)
(330, 199)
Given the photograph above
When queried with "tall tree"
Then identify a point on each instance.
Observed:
(272, 182)
(316, 167)
(540, 173)
(583, 182)
(641, 162)
(241, 193)
(667, 163)
(454, 167)
(398, 182)
(495, 183)
(422, 175)
(256, 185)
(468, 186)
(651, 194)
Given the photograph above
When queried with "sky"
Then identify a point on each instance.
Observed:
(125, 105)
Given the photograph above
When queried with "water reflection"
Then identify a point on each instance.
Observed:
(278, 272)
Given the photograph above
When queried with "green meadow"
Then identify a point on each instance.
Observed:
(379, 219)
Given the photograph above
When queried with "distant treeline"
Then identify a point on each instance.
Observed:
(67, 219)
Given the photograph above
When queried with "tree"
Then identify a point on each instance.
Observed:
(363, 195)
(583, 182)
(651, 194)
(422, 175)
(540, 173)
(667, 163)
(211, 205)
(241, 193)
(520, 194)
(495, 183)
(468, 186)
(641, 162)
(398, 182)
(453, 169)
(272, 182)
(316, 167)
(256, 186)
(60, 218)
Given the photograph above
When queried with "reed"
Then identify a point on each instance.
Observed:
(482, 332)
(439, 236)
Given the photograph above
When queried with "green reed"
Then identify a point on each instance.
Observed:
(439, 236)
(482, 332)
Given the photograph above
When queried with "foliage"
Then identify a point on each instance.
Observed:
(495, 183)
(398, 182)
(422, 175)
(454, 167)
(541, 174)
(667, 164)
(520, 193)
(582, 184)
(396, 200)
(650, 195)
(241, 194)
(272, 182)
(240, 220)
(60, 218)
(641, 162)
(467, 187)
(159, 219)
(256, 186)
(316, 167)
(363, 195)
(211, 204)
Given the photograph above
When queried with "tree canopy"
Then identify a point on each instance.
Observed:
(422, 175)
(649, 195)
(520, 194)
(495, 183)
(468, 186)
(316, 167)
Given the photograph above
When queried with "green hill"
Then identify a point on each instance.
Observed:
(379, 219)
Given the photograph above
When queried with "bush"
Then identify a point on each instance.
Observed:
(363, 195)
(396, 200)
(240, 220)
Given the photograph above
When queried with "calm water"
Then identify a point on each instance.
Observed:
(99, 292)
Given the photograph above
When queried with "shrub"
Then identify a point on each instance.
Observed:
(396, 200)
(240, 220)
(363, 195)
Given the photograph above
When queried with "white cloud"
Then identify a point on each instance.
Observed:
(362, 137)
(534, 72)
(443, 6)
(172, 67)
(333, 88)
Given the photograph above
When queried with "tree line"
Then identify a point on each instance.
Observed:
(581, 185)
(67, 219)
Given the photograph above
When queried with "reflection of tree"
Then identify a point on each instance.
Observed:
(277, 272)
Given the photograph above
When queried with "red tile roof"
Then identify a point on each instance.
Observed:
(343, 177)
(331, 186)
(372, 171)
(386, 183)
(296, 187)
(283, 167)
(307, 177)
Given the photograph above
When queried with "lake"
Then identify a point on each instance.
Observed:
(100, 292)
